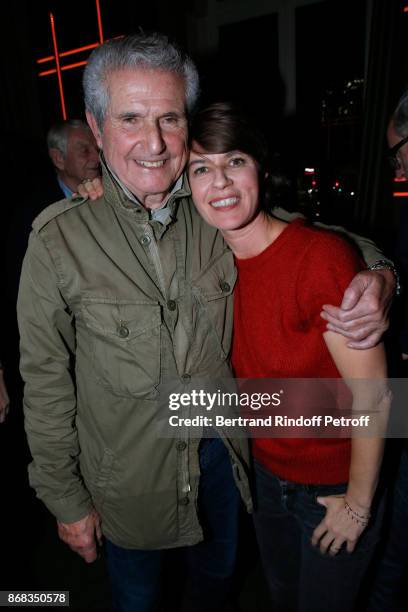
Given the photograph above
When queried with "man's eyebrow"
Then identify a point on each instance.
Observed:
(177, 114)
(126, 114)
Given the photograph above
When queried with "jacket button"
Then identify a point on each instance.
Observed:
(145, 240)
(184, 501)
(186, 378)
(123, 331)
(171, 305)
(181, 445)
(225, 286)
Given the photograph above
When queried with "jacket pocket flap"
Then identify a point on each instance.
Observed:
(119, 319)
(218, 280)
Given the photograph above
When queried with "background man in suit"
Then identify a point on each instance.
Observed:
(74, 154)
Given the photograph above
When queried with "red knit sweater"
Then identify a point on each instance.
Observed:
(278, 334)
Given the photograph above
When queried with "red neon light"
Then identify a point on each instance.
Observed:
(98, 14)
(45, 59)
(70, 52)
(405, 9)
(56, 57)
(400, 194)
(57, 64)
(47, 72)
(67, 67)
(400, 179)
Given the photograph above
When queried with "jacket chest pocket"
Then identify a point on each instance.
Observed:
(214, 292)
(124, 344)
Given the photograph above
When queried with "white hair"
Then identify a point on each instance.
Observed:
(57, 135)
(145, 51)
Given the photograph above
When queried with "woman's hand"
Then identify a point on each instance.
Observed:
(338, 527)
(91, 188)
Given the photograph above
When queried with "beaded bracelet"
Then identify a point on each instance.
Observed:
(355, 516)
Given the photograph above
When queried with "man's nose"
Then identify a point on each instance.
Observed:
(222, 179)
(154, 140)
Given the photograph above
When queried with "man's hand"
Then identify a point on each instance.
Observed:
(91, 188)
(82, 535)
(362, 316)
(4, 399)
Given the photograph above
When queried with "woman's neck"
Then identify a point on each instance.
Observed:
(255, 237)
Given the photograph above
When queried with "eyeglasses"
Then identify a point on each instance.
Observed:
(392, 154)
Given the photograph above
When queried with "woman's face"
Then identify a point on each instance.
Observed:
(225, 187)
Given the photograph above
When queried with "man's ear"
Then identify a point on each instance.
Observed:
(57, 158)
(94, 127)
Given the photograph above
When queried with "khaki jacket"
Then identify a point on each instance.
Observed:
(111, 305)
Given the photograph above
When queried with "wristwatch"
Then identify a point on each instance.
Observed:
(385, 264)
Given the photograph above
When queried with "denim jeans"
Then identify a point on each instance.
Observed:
(299, 577)
(391, 576)
(136, 574)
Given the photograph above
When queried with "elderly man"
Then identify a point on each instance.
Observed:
(397, 136)
(389, 583)
(75, 157)
(74, 154)
(117, 296)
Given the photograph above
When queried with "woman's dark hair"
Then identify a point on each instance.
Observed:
(224, 126)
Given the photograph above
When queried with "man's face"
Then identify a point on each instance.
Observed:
(82, 158)
(144, 136)
(401, 171)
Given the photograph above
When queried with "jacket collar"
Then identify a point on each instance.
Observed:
(120, 197)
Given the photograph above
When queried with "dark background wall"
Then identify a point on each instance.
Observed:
(291, 61)
(284, 59)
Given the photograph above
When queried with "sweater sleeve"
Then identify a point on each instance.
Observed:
(329, 265)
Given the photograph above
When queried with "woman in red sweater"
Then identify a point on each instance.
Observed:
(317, 517)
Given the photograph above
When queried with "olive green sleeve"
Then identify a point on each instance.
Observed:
(47, 345)
(368, 248)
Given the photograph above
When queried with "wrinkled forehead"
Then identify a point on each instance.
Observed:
(146, 85)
